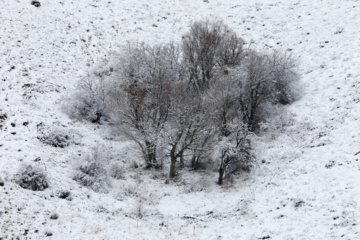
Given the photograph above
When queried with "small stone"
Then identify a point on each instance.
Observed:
(65, 195)
(3, 116)
(36, 3)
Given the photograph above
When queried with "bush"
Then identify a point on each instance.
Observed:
(91, 173)
(31, 177)
(117, 172)
(90, 100)
(236, 156)
(198, 186)
(64, 195)
(131, 190)
(58, 137)
(284, 77)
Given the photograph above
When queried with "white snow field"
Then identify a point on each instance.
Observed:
(307, 183)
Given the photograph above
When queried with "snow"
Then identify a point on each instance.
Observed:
(308, 187)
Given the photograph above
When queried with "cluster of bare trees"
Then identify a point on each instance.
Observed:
(175, 101)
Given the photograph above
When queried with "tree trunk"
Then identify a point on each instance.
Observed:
(172, 168)
(221, 173)
(151, 155)
(195, 162)
(172, 162)
(224, 126)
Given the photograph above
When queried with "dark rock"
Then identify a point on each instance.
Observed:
(266, 237)
(3, 116)
(28, 85)
(330, 164)
(299, 203)
(36, 3)
(64, 195)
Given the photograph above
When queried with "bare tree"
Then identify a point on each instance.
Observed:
(207, 47)
(155, 107)
(255, 86)
(231, 52)
(143, 96)
(189, 130)
(222, 99)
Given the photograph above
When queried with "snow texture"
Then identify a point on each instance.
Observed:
(306, 185)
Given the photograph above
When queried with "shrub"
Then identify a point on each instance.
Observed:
(64, 195)
(90, 100)
(198, 186)
(236, 156)
(92, 173)
(285, 77)
(117, 172)
(31, 177)
(131, 190)
(58, 137)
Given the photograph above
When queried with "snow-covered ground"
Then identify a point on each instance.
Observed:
(305, 187)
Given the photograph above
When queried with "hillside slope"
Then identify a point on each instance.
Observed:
(305, 187)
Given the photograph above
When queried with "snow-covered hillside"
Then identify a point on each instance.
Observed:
(305, 187)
